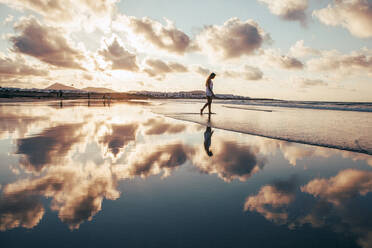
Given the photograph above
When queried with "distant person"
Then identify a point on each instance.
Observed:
(209, 92)
(208, 139)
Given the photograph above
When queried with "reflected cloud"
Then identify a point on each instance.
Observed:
(272, 200)
(338, 204)
(16, 123)
(345, 185)
(20, 211)
(159, 126)
(242, 165)
(121, 135)
(163, 159)
(77, 192)
(49, 146)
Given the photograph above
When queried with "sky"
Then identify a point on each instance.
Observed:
(284, 49)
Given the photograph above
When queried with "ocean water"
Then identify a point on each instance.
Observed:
(347, 130)
(157, 174)
(341, 106)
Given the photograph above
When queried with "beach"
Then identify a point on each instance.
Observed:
(157, 173)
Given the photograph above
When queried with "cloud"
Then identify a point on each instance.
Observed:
(345, 185)
(346, 64)
(247, 73)
(88, 77)
(300, 50)
(158, 68)
(354, 15)
(273, 57)
(120, 136)
(167, 38)
(272, 199)
(290, 10)
(45, 43)
(48, 147)
(308, 82)
(18, 67)
(76, 13)
(157, 126)
(234, 39)
(201, 70)
(120, 58)
(312, 82)
(8, 19)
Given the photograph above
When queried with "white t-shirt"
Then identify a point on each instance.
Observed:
(207, 91)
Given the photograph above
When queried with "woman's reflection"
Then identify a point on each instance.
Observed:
(208, 137)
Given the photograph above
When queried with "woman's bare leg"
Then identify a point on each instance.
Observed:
(202, 109)
(210, 105)
(205, 105)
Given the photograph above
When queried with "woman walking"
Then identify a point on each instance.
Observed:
(209, 92)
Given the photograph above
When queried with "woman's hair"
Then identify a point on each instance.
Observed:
(212, 75)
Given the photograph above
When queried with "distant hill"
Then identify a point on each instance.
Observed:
(58, 86)
(99, 90)
(201, 92)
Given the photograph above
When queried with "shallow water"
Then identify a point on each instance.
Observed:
(122, 175)
(346, 130)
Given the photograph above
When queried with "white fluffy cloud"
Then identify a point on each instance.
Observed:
(346, 64)
(274, 58)
(233, 39)
(46, 43)
(75, 13)
(305, 82)
(292, 10)
(164, 37)
(354, 15)
(18, 67)
(300, 50)
(247, 73)
(119, 57)
(158, 68)
(201, 70)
